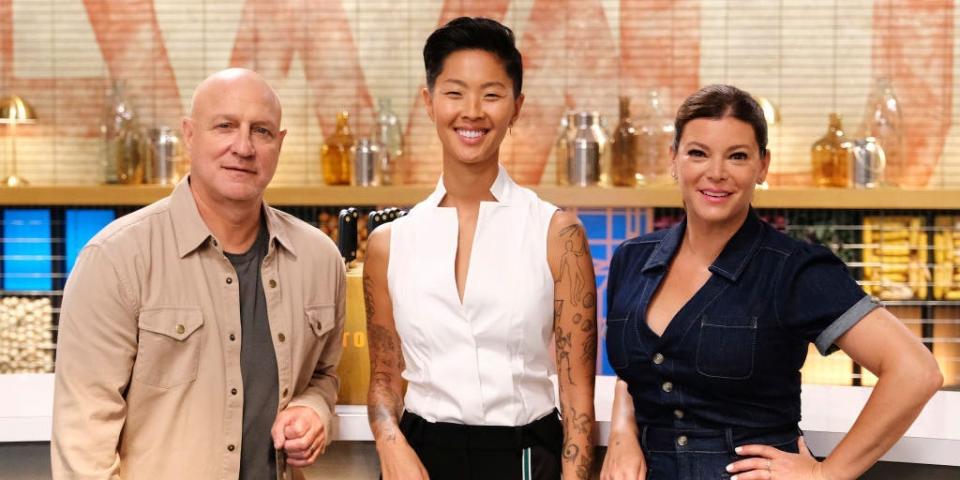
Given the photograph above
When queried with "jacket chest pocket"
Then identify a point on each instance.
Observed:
(168, 353)
(320, 318)
(726, 346)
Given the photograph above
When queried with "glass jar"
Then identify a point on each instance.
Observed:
(830, 157)
(121, 137)
(561, 150)
(602, 136)
(389, 140)
(883, 121)
(656, 137)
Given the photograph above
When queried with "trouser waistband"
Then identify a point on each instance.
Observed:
(545, 431)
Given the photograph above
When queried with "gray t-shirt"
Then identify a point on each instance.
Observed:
(258, 365)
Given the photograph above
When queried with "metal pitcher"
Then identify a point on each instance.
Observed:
(162, 152)
(584, 152)
(869, 163)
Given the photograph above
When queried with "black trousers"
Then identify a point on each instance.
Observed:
(466, 452)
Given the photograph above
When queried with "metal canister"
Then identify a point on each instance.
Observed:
(365, 154)
(162, 150)
(584, 152)
(869, 163)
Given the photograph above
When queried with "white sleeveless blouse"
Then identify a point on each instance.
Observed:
(485, 361)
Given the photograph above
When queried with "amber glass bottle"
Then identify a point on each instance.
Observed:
(625, 148)
(830, 157)
(335, 155)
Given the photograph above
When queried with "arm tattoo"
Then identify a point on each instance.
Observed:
(557, 311)
(589, 326)
(564, 345)
(575, 336)
(574, 246)
(384, 348)
(583, 467)
(572, 453)
(387, 408)
(386, 358)
(368, 296)
(580, 422)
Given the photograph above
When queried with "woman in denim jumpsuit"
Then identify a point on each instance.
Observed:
(709, 323)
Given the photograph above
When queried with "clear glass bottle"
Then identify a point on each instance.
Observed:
(830, 157)
(656, 137)
(602, 136)
(121, 136)
(389, 140)
(561, 150)
(336, 156)
(625, 146)
(883, 120)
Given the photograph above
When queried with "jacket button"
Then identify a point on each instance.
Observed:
(232, 337)
(231, 448)
(273, 283)
(682, 440)
(678, 413)
(180, 329)
(281, 337)
(658, 359)
(233, 391)
(229, 280)
(667, 387)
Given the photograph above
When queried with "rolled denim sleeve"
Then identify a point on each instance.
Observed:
(817, 298)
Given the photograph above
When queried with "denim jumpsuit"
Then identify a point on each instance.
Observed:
(726, 371)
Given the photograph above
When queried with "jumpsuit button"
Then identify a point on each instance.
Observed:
(232, 337)
(229, 280)
(231, 448)
(658, 359)
(678, 413)
(233, 391)
(682, 440)
(273, 283)
(667, 387)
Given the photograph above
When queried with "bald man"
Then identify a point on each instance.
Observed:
(199, 336)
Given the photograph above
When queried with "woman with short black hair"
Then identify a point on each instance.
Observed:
(465, 294)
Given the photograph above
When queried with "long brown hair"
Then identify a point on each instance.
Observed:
(718, 101)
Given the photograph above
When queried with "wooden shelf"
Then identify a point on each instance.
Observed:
(591, 197)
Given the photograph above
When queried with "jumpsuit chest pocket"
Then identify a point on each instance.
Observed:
(726, 346)
(616, 329)
(168, 351)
